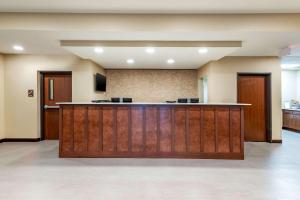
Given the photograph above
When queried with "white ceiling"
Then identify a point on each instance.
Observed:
(152, 6)
(261, 35)
(48, 42)
(291, 61)
(185, 57)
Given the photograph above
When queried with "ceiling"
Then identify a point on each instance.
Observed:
(291, 59)
(261, 35)
(48, 42)
(184, 57)
(152, 6)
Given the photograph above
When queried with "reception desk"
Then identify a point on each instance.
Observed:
(150, 130)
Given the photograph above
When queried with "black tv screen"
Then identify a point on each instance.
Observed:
(100, 82)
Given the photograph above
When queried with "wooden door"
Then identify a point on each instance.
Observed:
(56, 88)
(252, 90)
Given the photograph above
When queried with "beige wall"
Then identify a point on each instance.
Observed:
(83, 81)
(21, 74)
(2, 122)
(222, 82)
(150, 22)
(152, 85)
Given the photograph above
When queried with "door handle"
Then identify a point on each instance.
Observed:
(47, 107)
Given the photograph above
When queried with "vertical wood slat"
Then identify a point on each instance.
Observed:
(194, 133)
(101, 129)
(180, 130)
(129, 129)
(108, 129)
(158, 129)
(215, 130)
(122, 133)
(172, 130)
(151, 129)
(115, 127)
(230, 132)
(187, 130)
(242, 130)
(94, 128)
(222, 129)
(137, 129)
(165, 129)
(80, 128)
(144, 129)
(209, 142)
(67, 128)
(201, 133)
(235, 129)
(60, 136)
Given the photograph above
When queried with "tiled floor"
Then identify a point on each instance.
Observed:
(34, 171)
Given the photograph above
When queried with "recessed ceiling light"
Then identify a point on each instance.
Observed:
(203, 50)
(18, 48)
(130, 61)
(170, 61)
(150, 50)
(98, 50)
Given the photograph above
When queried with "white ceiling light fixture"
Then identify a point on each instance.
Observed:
(99, 50)
(170, 61)
(203, 50)
(150, 50)
(18, 48)
(130, 61)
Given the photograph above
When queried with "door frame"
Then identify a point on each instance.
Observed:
(268, 103)
(41, 75)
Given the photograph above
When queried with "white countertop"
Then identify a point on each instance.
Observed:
(149, 103)
(292, 109)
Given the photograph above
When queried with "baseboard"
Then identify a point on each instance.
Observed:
(290, 129)
(20, 140)
(277, 141)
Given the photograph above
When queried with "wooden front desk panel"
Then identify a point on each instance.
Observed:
(162, 131)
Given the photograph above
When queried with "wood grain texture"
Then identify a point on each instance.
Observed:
(180, 130)
(122, 129)
(252, 90)
(94, 128)
(209, 138)
(67, 128)
(194, 130)
(80, 128)
(223, 130)
(137, 129)
(152, 131)
(62, 93)
(291, 120)
(51, 124)
(108, 129)
(165, 129)
(235, 129)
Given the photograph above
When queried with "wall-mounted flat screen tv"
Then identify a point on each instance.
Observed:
(100, 82)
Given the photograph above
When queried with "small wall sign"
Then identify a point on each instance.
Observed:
(30, 93)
